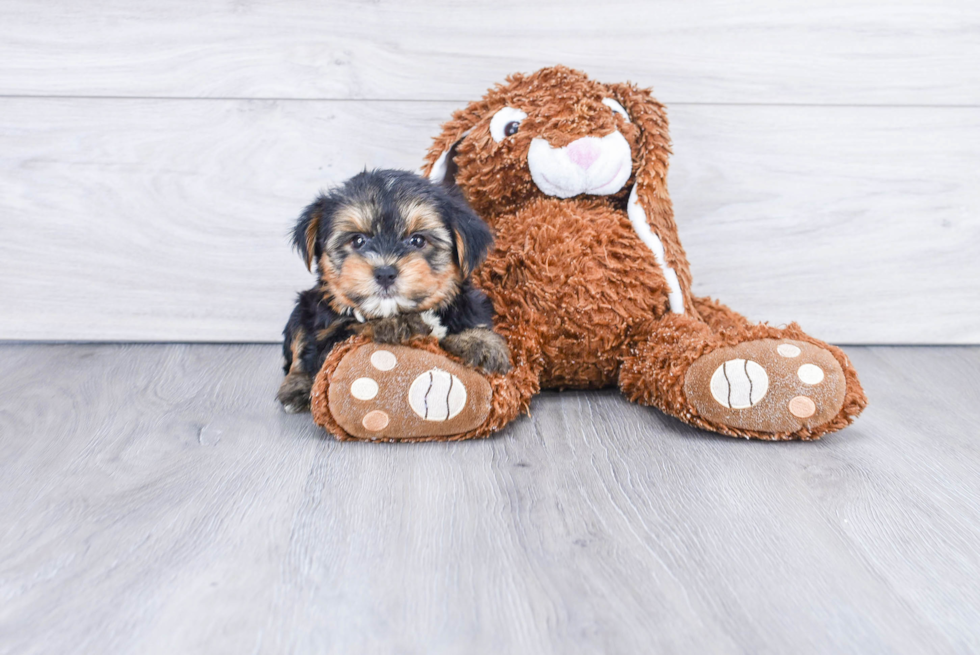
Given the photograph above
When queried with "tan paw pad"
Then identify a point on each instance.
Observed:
(375, 421)
(768, 385)
(802, 407)
(398, 392)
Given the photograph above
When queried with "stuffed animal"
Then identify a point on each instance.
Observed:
(590, 286)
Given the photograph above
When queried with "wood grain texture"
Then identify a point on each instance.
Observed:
(756, 51)
(153, 499)
(167, 219)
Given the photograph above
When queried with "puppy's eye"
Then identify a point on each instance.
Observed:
(357, 241)
(617, 108)
(506, 123)
(417, 241)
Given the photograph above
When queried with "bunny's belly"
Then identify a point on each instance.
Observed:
(577, 275)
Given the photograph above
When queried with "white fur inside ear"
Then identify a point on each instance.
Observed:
(638, 218)
(438, 172)
(440, 167)
(617, 108)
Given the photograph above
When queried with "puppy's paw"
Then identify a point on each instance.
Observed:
(396, 329)
(294, 392)
(481, 348)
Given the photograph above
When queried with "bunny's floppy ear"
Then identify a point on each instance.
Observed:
(471, 236)
(649, 207)
(313, 222)
(443, 170)
(439, 163)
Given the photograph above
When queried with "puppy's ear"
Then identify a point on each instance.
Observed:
(313, 222)
(471, 236)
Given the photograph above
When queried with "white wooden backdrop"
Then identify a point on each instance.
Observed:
(154, 154)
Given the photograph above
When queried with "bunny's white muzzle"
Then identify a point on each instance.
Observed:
(599, 167)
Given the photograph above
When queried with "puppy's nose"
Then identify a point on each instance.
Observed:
(385, 275)
(584, 151)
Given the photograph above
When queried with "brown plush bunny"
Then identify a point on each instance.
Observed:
(590, 285)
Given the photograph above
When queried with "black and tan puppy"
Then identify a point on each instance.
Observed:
(394, 253)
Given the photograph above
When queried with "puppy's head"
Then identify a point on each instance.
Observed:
(387, 242)
(553, 133)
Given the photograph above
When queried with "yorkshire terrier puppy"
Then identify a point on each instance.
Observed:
(394, 253)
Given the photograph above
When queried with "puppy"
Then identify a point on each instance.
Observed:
(394, 253)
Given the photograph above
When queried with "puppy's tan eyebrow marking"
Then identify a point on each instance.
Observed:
(356, 217)
(420, 217)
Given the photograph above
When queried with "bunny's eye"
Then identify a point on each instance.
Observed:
(505, 123)
(617, 108)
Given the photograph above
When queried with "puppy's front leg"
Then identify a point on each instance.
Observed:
(395, 329)
(294, 392)
(304, 356)
(480, 347)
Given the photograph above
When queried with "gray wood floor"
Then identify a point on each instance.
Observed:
(154, 500)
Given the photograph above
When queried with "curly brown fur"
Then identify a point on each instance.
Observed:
(576, 290)
(481, 348)
(582, 299)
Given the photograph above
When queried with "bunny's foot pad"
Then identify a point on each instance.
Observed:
(767, 385)
(389, 392)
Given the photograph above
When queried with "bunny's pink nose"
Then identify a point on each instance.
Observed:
(583, 151)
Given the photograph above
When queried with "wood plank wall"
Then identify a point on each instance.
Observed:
(154, 154)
